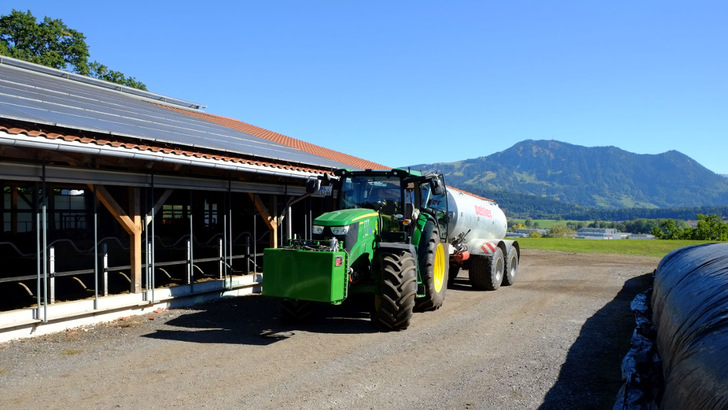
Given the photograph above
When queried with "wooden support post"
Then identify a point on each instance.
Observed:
(270, 220)
(131, 224)
(135, 240)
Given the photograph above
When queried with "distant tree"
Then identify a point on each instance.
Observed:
(648, 214)
(102, 72)
(671, 229)
(711, 228)
(657, 232)
(576, 225)
(640, 226)
(51, 43)
(560, 231)
(513, 226)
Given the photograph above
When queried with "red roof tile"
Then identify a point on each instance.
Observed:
(109, 142)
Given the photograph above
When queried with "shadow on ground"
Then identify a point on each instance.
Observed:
(591, 376)
(255, 320)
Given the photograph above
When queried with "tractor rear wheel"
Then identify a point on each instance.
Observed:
(394, 303)
(433, 268)
(485, 275)
(511, 267)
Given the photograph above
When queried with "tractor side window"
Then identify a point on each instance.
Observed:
(436, 205)
(348, 195)
(410, 201)
(431, 201)
(425, 195)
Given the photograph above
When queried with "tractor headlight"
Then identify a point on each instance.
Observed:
(340, 230)
(317, 229)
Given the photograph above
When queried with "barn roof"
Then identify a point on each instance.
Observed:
(49, 106)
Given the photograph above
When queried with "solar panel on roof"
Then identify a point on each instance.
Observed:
(36, 97)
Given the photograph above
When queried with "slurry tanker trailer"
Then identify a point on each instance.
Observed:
(397, 235)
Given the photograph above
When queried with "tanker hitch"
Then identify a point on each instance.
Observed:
(460, 250)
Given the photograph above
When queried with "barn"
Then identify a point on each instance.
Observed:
(117, 201)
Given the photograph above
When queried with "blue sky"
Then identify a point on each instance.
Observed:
(409, 82)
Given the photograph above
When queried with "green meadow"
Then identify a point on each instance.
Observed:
(656, 248)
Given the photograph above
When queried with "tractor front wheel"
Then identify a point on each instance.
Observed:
(394, 303)
(434, 265)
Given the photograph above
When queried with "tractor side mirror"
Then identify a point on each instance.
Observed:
(437, 187)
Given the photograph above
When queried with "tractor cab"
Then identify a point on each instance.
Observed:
(400, 197)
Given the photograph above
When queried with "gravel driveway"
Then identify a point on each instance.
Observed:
(555, 339)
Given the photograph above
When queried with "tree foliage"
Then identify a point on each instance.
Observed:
(53, 44)
(709, 228)
(560, 231)
(49, 42)
(102, 72)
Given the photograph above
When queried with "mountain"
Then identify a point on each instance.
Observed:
(597, 177)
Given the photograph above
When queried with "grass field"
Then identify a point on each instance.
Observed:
(656, 248)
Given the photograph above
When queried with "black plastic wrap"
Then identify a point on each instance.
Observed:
(641, 370)
(690, 312)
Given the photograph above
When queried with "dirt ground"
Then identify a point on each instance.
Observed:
(555, 339)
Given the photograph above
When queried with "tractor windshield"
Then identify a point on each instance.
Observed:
(382, 193)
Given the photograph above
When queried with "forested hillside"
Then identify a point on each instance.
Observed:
(561, 178)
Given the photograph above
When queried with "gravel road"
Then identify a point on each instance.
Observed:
(555, 339)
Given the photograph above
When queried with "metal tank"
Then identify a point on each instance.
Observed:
(477, 218)
(477, 242)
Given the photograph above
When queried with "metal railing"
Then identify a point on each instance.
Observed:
(102, 268)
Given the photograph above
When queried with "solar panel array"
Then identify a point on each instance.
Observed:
(37, 97)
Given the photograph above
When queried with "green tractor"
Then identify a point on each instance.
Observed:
(386, 237)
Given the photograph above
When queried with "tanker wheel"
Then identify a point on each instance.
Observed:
(433, 268)
(296, 311)
(394, 303)
(487, 273)
(509, 277)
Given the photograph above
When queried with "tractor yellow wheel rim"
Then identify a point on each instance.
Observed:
(439, 268)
